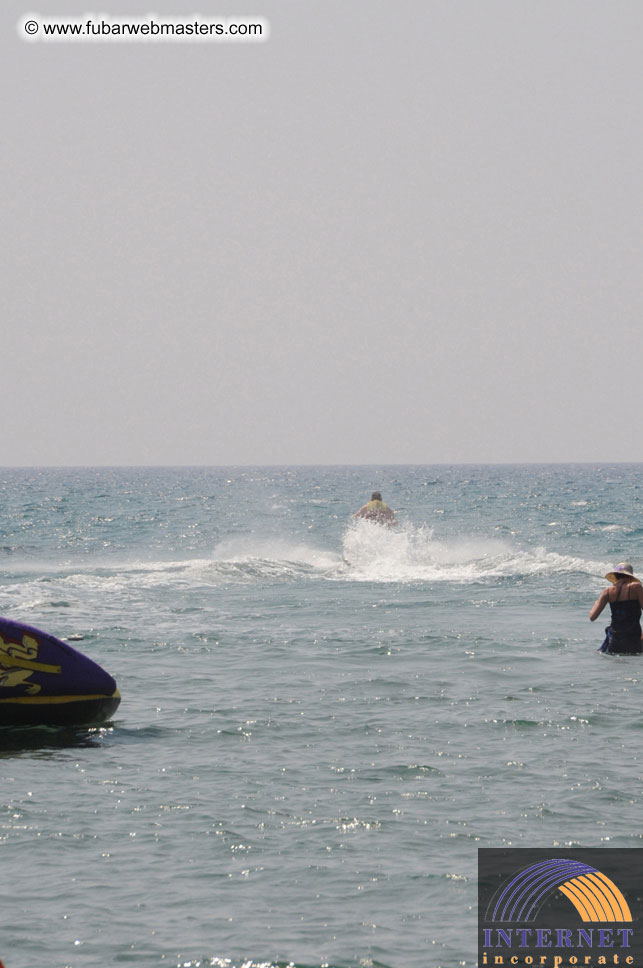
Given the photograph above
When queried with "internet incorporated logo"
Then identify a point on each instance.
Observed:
(595, 896)
(559, 911)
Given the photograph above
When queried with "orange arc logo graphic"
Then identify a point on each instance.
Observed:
(596, 898)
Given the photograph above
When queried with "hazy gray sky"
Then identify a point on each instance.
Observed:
(391, 233)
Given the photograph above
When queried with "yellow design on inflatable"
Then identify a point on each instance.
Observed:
(17, 664)
(44, 681)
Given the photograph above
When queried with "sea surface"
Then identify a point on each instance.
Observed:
(322, 720)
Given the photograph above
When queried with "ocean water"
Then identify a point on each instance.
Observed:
(322, 721)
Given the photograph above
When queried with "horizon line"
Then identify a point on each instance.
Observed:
(467, 463)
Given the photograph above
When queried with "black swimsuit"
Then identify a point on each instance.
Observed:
(623, 636)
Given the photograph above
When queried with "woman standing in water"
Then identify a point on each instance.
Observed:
(625, 597)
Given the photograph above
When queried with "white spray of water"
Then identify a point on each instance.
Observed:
(375, 553)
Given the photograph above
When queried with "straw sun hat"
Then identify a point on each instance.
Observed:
(624, 570)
